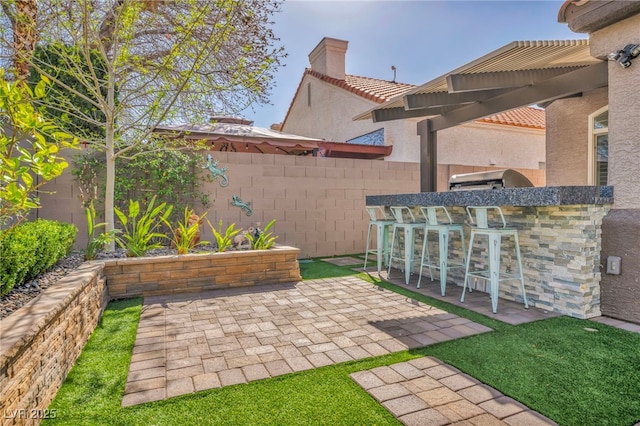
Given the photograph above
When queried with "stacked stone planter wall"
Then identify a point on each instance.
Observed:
(155, 276)
(41, 342)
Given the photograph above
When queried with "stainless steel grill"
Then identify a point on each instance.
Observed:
(494, 179)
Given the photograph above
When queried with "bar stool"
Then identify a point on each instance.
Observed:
(443, 225)
(407, 222)
(481, 227)
(383, 224)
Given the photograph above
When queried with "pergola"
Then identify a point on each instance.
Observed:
(519, 74)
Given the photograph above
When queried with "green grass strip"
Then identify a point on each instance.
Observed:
(320, 269)
(555, 366)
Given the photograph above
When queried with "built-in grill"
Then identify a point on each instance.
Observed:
(494, 179)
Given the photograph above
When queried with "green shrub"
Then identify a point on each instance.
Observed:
(224, 240)
(139, 232)
(32, 248)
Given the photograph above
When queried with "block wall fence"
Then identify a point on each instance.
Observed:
(318, 203)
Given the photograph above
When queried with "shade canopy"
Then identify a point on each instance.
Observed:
(518, 74)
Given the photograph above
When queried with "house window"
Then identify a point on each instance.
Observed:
(308, 94)
(375, 138)
(599, 147)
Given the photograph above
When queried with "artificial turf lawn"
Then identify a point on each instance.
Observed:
(569, 374)
(316, 268)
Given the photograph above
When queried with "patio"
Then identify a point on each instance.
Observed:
(189, 343)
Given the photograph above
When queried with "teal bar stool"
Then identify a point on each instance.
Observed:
(438, 219)
(379, 219)
(408, 224)
(494, 231)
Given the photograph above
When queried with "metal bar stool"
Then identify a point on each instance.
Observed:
(438, 219)
(407, 222)
(383, 224)
(481, 227)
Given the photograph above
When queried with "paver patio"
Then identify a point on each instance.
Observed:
(425, 391)
(188, 343)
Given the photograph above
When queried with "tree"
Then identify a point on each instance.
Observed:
(29, 149)
(166, 60)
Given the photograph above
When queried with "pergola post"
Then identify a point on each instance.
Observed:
(428, 157)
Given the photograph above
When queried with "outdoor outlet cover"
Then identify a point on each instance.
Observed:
(613, 265)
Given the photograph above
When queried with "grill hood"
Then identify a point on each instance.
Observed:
(494, 179)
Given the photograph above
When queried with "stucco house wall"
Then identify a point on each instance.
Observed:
(324, 109)
(321, 109)
(624, 110)
(330, 115)
(567, 134)
(484, 144)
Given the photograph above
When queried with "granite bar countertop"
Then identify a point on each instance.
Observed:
(537, 196)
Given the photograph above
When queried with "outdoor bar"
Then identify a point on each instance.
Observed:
(559, 229)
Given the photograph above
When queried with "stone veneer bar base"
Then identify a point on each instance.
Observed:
(41, 342)
(560, 232)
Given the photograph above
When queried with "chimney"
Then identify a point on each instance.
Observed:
(328, 57)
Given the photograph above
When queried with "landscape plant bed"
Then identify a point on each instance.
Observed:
(190, 273)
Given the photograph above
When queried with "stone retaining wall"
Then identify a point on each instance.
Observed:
(41, 342)
(154, 276)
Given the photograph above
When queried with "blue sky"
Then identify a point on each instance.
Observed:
(423, 39)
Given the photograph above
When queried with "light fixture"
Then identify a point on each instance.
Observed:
(624, 56)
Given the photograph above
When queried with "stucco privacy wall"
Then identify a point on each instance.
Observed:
(568, 138)
(318, 203)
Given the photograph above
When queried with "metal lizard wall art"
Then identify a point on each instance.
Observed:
(212, 165)
(246, 207)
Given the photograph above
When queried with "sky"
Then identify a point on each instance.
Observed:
(422, 39)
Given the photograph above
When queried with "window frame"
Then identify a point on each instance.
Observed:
(592, 157)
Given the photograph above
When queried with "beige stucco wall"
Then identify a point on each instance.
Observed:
(568, 137)
(318, 203)
(484, 144)
(329, 110)
(330, 117)
(624, 111)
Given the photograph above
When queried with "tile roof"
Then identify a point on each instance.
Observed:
(522, 117)
(381, 91)
(369, 88)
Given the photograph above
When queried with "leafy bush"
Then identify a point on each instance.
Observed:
(32, 248)
(225, 240)
(139, 233)
(96, 243)
(187, 235)
(262, 240)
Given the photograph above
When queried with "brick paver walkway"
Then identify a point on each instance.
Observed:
(189, 343)
(425, 391)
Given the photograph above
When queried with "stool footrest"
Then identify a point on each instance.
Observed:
(504, 276)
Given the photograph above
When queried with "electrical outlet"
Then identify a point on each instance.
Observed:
(613, 265)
